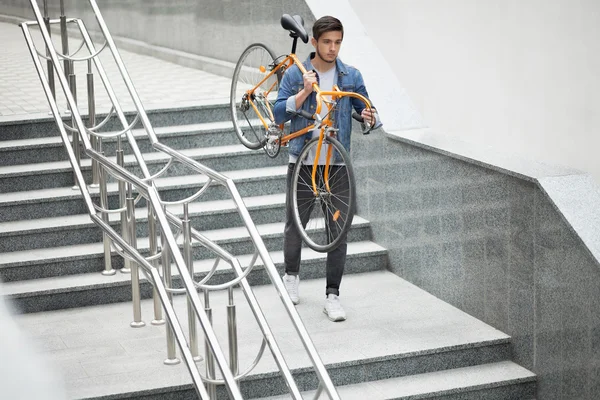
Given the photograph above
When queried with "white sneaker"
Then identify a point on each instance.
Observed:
(333, 308)
(291, 283)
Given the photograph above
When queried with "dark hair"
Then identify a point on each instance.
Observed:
(326, 24)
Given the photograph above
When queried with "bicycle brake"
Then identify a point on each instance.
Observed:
(332, 132)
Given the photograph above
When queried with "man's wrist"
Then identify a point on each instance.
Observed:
(301, 96)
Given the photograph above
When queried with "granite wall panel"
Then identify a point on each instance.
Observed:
(494, 245)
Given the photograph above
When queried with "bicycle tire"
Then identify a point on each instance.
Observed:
(323, 219)
(247, 74)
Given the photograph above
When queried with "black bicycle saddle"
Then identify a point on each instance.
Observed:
(295, 25)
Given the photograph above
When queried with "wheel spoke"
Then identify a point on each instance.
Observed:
(249, 72)
(330, 207)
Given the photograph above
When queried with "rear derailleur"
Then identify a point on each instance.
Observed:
(273, 144)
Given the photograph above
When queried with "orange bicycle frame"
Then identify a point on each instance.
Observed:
(325, 123)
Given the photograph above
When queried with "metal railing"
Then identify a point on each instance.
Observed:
(162, 221)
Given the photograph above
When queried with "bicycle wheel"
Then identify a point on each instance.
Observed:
(253, 66)
(323, 218)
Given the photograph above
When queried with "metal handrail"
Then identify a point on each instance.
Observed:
(106, 227)
(93, 129)
(84, 58)
(152, 196)
(193, 197)
(162, 171)
(61, 56)
(255, 236)
(146, 188)
(114, 134)
(247, 371)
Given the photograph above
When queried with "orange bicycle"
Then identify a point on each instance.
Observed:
(329, 185)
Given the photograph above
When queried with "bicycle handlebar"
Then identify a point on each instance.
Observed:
(357, 116)
(334, 93)
(366, 126)
(338, 93)
(306, 114)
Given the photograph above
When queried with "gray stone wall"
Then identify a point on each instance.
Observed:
(218, 29)
(493, 245)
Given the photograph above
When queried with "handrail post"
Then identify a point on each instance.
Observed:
(189, 261)
(96, 141)
(135, 273)
(319, 391)
(49, 64)
(232, 330)
(64, 37)
(122, 204)
(153, 247)
(108, 269)
(99, 175)
(167, 279)
(75, 134)
(210, 359)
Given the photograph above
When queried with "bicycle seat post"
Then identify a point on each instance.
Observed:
(294, 43)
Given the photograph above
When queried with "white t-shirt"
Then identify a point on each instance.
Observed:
(326, 82)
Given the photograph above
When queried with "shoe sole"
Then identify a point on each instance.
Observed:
(294, 302)
(338, 319)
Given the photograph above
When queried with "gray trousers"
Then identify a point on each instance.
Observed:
(292, 241)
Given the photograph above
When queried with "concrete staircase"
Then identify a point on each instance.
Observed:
(398, 343)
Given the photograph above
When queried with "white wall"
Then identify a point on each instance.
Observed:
(521, 76)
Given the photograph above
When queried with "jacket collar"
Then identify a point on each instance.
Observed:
(341, 67)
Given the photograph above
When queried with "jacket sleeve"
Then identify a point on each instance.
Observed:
(285, 91)
(360, 88)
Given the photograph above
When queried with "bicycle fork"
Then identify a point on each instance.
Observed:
(327, 167)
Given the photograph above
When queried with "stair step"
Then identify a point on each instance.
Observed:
(75, 257)
(79, 229)
(58, 174)
(93, 288)
(55, 202)
(393, 329)
(191, 136)
(502, 380)
(216, 207)
(24, 127)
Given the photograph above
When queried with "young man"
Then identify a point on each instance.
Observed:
(296, 93)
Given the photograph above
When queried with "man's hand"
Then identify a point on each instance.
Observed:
(368, 114)
(309, 78)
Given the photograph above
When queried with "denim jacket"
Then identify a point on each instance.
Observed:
(349, 80)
